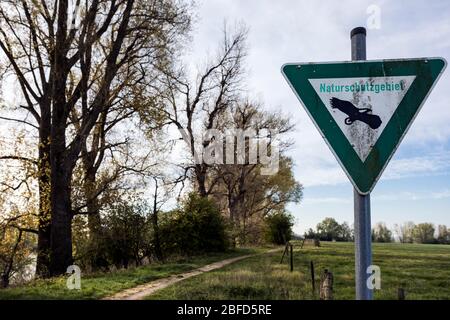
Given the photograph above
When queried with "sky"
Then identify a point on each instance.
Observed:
(416, 183)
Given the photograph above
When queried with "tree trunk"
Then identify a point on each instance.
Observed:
(61, 227)
(43, 245)
(158, 250)
(154, 218)
(201, 182)
(5, 281)
(44, 169)
(94, 220)
(43, 248)
(97, 259)
(61, 162)
(234, 218)
(61, 206)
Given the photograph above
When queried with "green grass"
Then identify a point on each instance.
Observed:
(100, 285)
(422, 270)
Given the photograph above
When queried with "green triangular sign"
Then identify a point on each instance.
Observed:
(363, 109)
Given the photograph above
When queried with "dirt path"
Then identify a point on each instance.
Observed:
(139, 292)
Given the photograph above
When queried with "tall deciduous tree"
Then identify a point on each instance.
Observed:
(423, 233)
(247, 188)
(443, 234)
(405, 231)
(70, 71)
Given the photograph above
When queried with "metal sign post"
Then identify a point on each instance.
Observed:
(363, 233)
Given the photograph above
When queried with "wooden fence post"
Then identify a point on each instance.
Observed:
(284, 253)
(292, 259)
(313, 281)
(326, 286)
(401, 294)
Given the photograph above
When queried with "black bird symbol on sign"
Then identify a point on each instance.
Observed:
(361, 114)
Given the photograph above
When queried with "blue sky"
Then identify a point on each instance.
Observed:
(416, 184)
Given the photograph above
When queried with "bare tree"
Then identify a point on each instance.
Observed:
(405, 231)
(195, 108)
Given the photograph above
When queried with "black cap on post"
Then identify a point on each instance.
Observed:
(358, 30)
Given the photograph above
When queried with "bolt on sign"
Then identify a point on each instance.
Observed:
(363, 109)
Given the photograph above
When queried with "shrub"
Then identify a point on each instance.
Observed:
(279, 228)
(127, 234)
(15, 255)
(196, 226)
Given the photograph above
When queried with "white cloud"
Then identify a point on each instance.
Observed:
(433, 164)
(405, 196)
(441, 195)
(321, 172)
(413, 196)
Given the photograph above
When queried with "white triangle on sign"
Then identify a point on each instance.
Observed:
(376, 100)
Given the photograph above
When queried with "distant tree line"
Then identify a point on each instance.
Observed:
(330, 230)
(409, 232)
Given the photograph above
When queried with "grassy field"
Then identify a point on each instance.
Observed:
(422, 270)
(96, 286)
